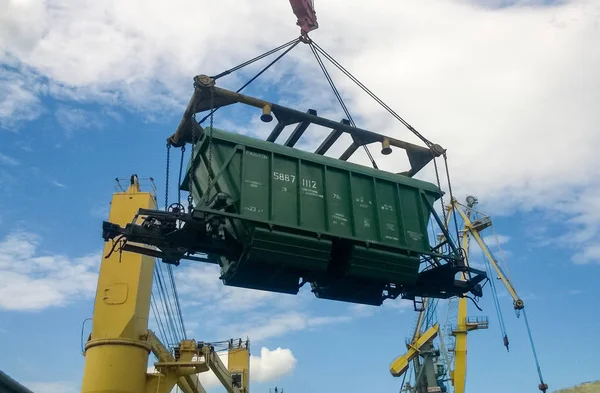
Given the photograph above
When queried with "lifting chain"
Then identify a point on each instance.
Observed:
(439, 184)
(191, 174)
(450, 192)
(210, 83)
(452, 199)
(210, 144)
(444, 212)
(180, 173)
(167, 176)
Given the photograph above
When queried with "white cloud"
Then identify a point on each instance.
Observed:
(399, 304)
(17, 101)
(260, 315)
(52, 387)
(518, 3)
(216, 296)
(587, 255)
(58, 184)
(515, 104)
(269, 325)
(100, 211)
(362, 310)
(31, 280)
(6, 160)
(494, 241)
(271, 365)
(268, 366)
(25, 146)
(76, 119)
(477, 264)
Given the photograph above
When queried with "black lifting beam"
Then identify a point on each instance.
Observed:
(208, 97)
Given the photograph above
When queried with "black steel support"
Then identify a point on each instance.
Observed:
(418, 156)
(349, 151)
(200, 233)
(276, 131)
(331, 138)
(299, 130)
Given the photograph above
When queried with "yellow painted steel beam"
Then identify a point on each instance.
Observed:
(420, 319)
(401, 363)
(116, 353)
(459, 374)
(238, 363)
(468, 224)
(186, 383)
(219, 369)
(187, 363)
(222, 373)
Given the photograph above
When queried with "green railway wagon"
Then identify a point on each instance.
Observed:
(275, 217)
(298, 215)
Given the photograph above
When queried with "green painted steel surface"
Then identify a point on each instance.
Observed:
(300, 214)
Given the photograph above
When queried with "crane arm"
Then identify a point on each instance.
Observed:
(420, 319)
(186, 383)
(219, 369)
(401, 363)
(518, 303)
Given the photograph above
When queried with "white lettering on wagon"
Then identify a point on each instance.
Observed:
(309, 183)
(284, 177)
(339, 219)
(387, 207)
(253, 183)
(258, 155)
(253, 209)
(414, 235)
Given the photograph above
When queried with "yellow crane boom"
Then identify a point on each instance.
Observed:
(400, 365)
(473, 228)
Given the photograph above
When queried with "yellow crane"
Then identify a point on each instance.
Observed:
(117, 350)
(421, 347)
(422, 354)
(464, 324)
(432, 366)
(474, 223)
(421, 351)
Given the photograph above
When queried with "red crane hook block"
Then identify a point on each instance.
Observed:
(305, 12)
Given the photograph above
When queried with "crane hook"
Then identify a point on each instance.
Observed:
(307, 17)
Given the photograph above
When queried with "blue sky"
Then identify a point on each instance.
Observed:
(90, 91)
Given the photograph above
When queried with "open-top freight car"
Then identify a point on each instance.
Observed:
(275, 217)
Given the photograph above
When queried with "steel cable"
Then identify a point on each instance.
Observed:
(370, 93)
(295, 42)
(259, 57)
(177, 303)
(340, 99)
(169, 303)
(169, 321)
(161, 329)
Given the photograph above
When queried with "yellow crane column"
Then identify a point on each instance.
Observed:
(238, 364)
(116, 354)
(459, 374)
